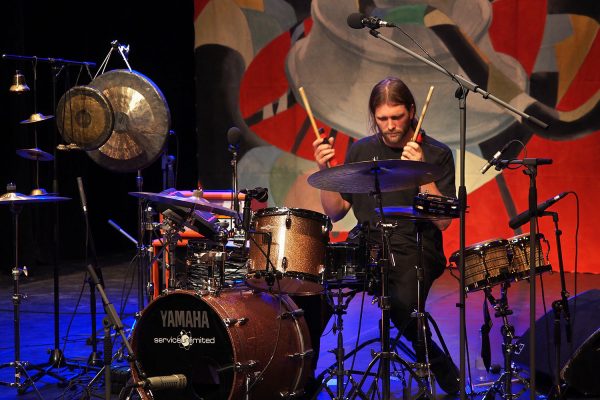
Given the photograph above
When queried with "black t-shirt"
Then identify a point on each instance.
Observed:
(403, 238)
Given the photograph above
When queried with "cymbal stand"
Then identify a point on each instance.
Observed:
(385, 356)
(503, 385)
(20, 366)
(422, 365)
(339, 372)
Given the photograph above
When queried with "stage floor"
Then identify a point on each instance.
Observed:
(37, 326)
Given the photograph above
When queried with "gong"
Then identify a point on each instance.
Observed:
(84, 117)
(141, 121)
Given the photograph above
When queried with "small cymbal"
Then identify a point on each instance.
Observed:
(35, 154)
(14, 197)
(174, 199)
(410, 214)
(359, 177)
(36, 117)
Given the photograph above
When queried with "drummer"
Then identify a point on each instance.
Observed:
(392, 122)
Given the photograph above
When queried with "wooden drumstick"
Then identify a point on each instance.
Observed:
(418, 128)
(312, 119)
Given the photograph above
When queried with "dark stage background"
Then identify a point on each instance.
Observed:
(161, 39)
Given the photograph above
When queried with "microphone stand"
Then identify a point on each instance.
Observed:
(532, 167)
(558, 307)
(461, 93)
(112, 320)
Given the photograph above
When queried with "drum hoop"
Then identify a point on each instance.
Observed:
(300, 212)
(524, 237)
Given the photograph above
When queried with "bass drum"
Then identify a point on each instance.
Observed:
(220, 341)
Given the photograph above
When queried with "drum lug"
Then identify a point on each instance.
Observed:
(235, 321)
(306, 354)
(292, 314)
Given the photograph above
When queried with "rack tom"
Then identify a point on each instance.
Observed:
(294, 242)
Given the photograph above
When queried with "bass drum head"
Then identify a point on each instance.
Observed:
(204, 337)
(181, 334)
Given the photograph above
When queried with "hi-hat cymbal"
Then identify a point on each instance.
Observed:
(359, 177)
(174, 199)
(35, 154)
(14, 197)
(84, 117)
(36, 117)
(142, 121)
(410, 214)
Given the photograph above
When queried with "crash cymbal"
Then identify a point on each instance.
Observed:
(410, 214)
(175, 199)
(359, 177)
(14, 197)
(142, 121)
(84, 117)
(35, 154)
(36, 117)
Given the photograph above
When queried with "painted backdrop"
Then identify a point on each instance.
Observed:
(540, 56)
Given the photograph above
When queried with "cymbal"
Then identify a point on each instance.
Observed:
(84, 117)
(36, 117)
(359, 177)
(14, 197)
(410, 214)
(174, 199)
(35, 154)
(142, 121)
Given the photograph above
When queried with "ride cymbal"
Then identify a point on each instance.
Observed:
(142, 121)
(84, 117)
(361, 177)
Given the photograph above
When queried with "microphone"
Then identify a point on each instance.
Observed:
(520, 219)
(360, 20)
(82, 195)
(173, 382)
(234, 136)
(259, 194)
(495, 158)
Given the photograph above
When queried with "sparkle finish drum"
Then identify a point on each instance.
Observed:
(220, 342)
(294, 240)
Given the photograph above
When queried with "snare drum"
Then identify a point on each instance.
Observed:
(486, 264)
(519, 250)
(295, 240)
(222, 342)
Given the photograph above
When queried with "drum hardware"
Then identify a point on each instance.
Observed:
(112, 321)
(560, 309)
(15, 201)
(337, 370)
(503, 385)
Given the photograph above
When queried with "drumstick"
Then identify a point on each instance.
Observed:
(312, 119)
(416, 134)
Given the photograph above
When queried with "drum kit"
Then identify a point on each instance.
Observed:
(227, 321)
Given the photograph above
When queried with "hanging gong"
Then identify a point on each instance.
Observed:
(84, 117)
(142, 121)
